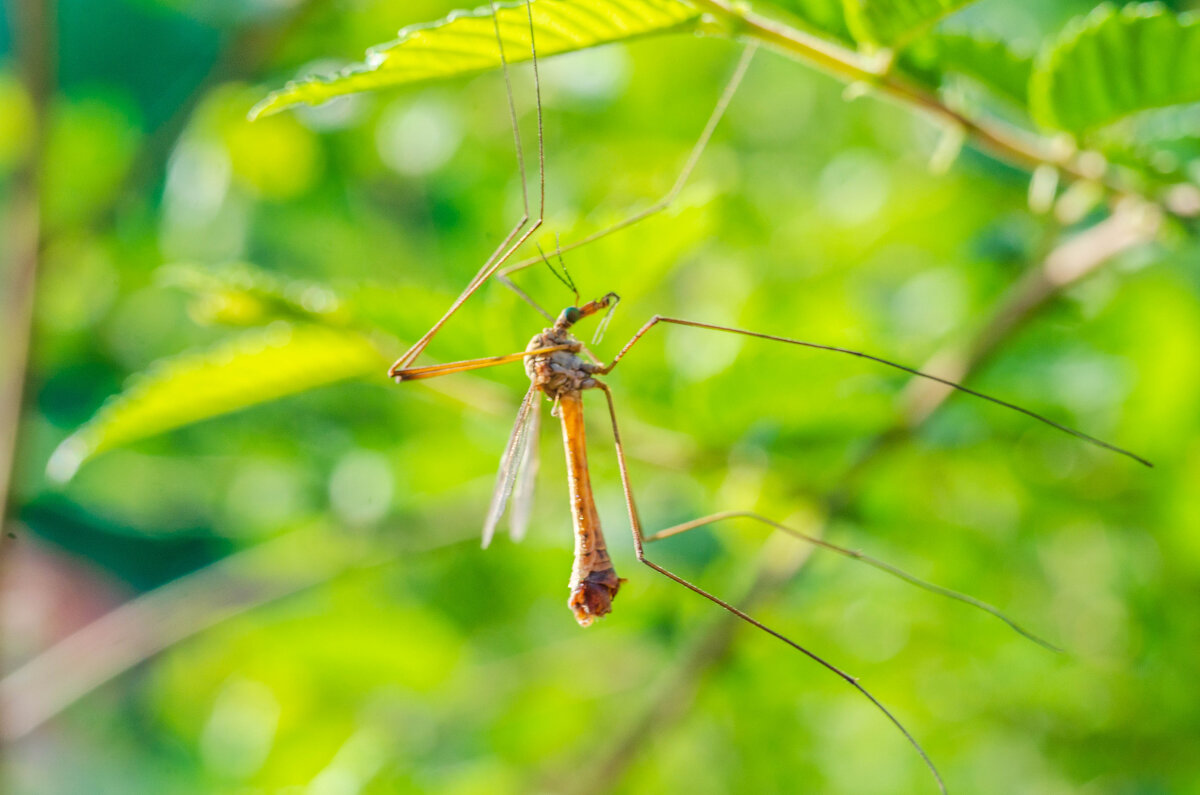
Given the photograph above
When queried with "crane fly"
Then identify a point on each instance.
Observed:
(559, 373)
(556, 371)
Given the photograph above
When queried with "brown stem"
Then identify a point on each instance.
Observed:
(1131, 224)
(23, 706)
(33, 24)
(147, 625)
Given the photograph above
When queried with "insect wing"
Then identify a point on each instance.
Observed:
(509, 463)
(522, 498)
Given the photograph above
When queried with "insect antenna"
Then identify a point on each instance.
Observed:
(561, 273)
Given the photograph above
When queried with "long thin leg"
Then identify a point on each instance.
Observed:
(493, 265)
(654, 321)
(524, 296)
(855, 555)
(435, 370)
(689, 165)
(638, 543)
(516, 237)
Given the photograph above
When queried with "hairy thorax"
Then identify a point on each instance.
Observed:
(560, 372)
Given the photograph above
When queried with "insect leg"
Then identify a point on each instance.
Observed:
(435, 370)
(638, 543)
(854, 555)
(654, 321)
(523, 229)
(689, 165)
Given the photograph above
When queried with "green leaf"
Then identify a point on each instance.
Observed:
(989, 62)
(251, 368)
(826, 18)
(891, 23)
(241, 294)
(464, 43)
(1113, 63)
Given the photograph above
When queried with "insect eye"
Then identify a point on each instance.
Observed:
(572, 314)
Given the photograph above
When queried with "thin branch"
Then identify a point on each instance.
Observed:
(147, 625)
(1018, 147)
(1131, 224)
(26, 703)
(34, 24)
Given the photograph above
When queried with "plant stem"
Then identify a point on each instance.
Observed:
(1132, 223)
(148, 624)
(1017, 147)
(33, 24)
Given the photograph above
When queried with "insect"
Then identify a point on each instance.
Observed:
(556, 370)
(562, 370)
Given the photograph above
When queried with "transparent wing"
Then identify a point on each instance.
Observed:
(508, 466)
(522, 500)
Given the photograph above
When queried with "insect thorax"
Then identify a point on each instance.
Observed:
(561, 371)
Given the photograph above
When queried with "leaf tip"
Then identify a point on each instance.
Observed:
(267, 106)
(67, 458)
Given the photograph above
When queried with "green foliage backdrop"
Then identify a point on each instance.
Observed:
(1005, 190)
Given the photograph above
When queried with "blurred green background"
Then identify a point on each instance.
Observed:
(352, 636)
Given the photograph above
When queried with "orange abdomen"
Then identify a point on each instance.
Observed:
(594, 582)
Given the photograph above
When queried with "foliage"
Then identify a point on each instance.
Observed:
(1102, 67)
(990, 62)
(190, 410)
(1116, 62)
(1144, 50)
(465, 43)
(888, 22)
(253, 367)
